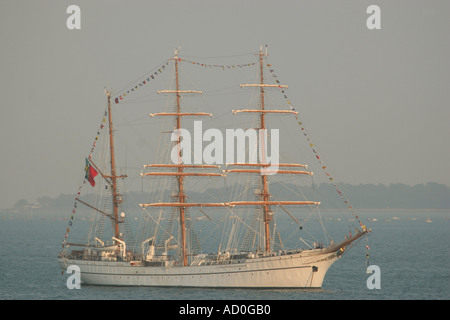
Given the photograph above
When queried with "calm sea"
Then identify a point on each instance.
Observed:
(413, 256)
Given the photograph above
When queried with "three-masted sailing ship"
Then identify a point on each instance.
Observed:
(165, 254)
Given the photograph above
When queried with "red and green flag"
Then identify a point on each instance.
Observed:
(90, 173)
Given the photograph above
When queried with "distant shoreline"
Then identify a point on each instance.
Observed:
(423, 210)
(429, 197)
(65, 213)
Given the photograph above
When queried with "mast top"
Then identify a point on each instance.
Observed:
(261, 51)
(175, 57)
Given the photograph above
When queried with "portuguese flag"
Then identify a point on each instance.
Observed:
(90, 173)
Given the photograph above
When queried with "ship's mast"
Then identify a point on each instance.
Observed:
(180, 178)
(113, 177)
(110, 179)
(265, 201)
(265, 194)
(180, 174)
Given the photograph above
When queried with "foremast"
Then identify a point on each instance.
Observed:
(113, 170)
(111, 179)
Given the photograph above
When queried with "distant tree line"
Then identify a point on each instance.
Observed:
(363, 196)
(395, 196)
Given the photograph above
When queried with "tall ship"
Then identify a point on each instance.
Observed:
(237, 212)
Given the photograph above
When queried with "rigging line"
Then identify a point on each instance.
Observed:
(335, 184)
(132, 122)
(327, 235)
(157, 223)
(220, 115)
(234, 214)
(276, 233)
(137, 80)
(98, 228)
(310, 235)
(243, 222)
(223, 89)
(290, 215)
(224, 93)
(187, 78)
(134, 172)
(352, 244)
(292, 190)
(217, 227)
(209, 193)
(301, 239)
(122, 93)
(215, 57)
(143, 99)
(83, 180)
(319, 158)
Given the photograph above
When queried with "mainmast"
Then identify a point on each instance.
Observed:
(180, 174)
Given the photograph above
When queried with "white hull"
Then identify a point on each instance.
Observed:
(306, 269)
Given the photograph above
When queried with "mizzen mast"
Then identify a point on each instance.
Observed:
(265, 194)
(265, 201)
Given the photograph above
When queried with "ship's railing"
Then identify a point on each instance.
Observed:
(236, 258)
(94, 255)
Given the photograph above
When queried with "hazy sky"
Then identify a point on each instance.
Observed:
(377, 102)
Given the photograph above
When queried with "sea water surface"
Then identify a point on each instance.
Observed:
(413, 256)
